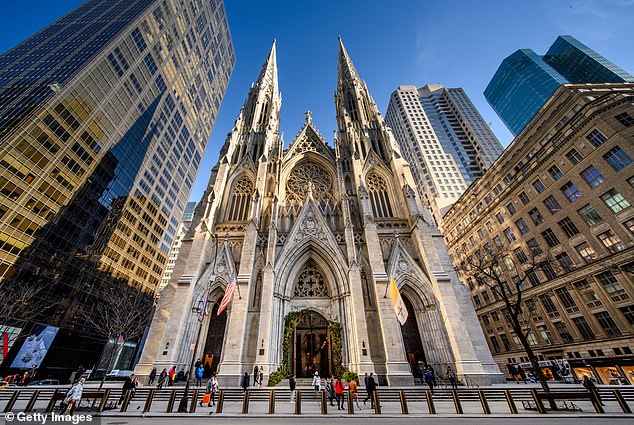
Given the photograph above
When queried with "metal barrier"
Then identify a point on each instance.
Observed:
(621, 401)
(245, 402)
(298, 402)
(403, 400)
(272, 402)
(430, 402)
(483, 401)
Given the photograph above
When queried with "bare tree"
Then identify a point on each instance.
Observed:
(20, 303)
(508, 281)
(119, 314)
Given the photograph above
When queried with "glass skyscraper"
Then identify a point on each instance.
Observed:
(104, 118)
(444, 138)
(524, 81)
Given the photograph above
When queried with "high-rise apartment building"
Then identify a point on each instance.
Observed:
(104, 118)
(556, 213)
(524, 81)
(183, 227)
(445, 140)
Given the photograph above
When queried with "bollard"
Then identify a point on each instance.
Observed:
(148, 400)
(538, 402)
(485, 404)
(221, 401)
(404, 409)
(14, 398)
(126, 401)
(272, 402)
(430, 402)
(192, 406)
(377, 403)
(298, 402)
(510, 402)
(456, 402)
(31, 403)
(594, 397)
(622, 402)
(350, 403)
(49, 408)
(324, 403)
(245, 403)
(170, 402)
(104, 400)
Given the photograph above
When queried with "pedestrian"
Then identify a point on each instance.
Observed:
(129, 386)
(291, 385)
(512, 371)
(429, 378)
(172, 376)
(73, 397)
(260, 376)
(208, 390)
(214, 388)
(370, 388)
(245, 381)
(421, 374)
(255, 374)
(199, 375)
(316, 382)
(152, 376)
(522, 374)
(330, 390)
(453, 380)
(354, 391)
(339, 388)
(162, 378)
(180, 376)
(592, 389)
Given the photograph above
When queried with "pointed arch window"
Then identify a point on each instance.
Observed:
(377, 188)
(240, 200)
(310, 283)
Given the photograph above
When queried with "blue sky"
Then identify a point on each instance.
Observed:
(392, 43)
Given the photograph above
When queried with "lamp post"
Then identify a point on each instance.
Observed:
(202, 311)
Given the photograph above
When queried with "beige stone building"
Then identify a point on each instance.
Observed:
(312, 235)
(564, 187)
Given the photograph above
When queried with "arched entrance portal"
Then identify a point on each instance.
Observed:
(411, 337)
(215, 338)
(311, 346)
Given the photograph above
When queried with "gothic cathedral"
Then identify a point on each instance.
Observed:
(312, 235)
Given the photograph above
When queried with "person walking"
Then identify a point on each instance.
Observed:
(245, 381)
(162, 378)
(453, 379)
(214, 388)
(152, 377)
(370, 388)
(330, 391)
(260, 376)
(316, 383)
(73, 397)
(429, 378)
(255, 374)
(208, 391)
(292, 385)
(199, 375)
(129, 386)
(354, 391)
(591, 388)
(172, 376)
(339, 388)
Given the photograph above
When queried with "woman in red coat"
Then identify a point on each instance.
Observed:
(339, 387)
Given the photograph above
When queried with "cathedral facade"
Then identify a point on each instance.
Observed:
(312, 234)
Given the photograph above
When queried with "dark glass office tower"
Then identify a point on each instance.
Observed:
(104, 118)
(524, 81)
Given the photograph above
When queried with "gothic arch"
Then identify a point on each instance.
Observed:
(379, 189)
(318, 161)
(238, 199)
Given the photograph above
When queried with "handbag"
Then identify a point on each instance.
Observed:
(206, 398)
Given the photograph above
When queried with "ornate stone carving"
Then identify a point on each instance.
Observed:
(310, 283)
(309, 227)
(301, 178)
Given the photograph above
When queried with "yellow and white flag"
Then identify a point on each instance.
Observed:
(397, 302)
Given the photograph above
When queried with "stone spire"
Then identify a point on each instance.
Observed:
(346, 71)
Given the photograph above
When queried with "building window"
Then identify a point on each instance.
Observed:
(521, 256)
(536, 216)
(522, 226)
(574, 156)
(511, 208)
(586, 252)
(607, 323)
(584, 328)
(539, 186)
(241, 199)
(592, 176)
(610, 283)
(532, 278)
(565, 261)
(571, 191)
(498, 242)
(555, 172)
(550, 238)
(590, 215)
(548, 304)
(611, 241)
(524, 198)
(629, 225)
(381, 206)
(615, 201)
(596, 138)
(534, 247)
(628, 312)
(617, 158)
(545, 334)
(509, 235)
(499, 218)
(552, 204)
(568, 227)
(564, 296)
(548, 270)
(495, 344)
(476, 301)
(562, 330)
(625, 119)
(505, 342)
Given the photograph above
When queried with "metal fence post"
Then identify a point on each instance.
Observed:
(272, 402)
(377, 402)
(538, 402)
(485, 404)
(350, 402)
(622, 402)
(170, 402)
(430, 402)
(456, 402)
(148, 400)
(194, 402)
(510, 402)
(221, 401)
(245, 402)
(298, 402)
(104, 400)
(404, 409)
(324, 403)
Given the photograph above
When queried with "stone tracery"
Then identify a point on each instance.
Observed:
(310, 283)
(302, 177)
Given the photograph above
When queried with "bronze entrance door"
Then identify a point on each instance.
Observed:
(312, 352)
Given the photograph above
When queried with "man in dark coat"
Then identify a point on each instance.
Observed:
(245, 381)
(370, 388)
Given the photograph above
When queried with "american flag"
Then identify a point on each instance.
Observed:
(203, 309)
(228, 293)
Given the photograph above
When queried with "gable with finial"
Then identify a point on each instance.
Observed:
(401, 265)
(308, 139)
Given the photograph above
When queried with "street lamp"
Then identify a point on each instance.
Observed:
(202, 311)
